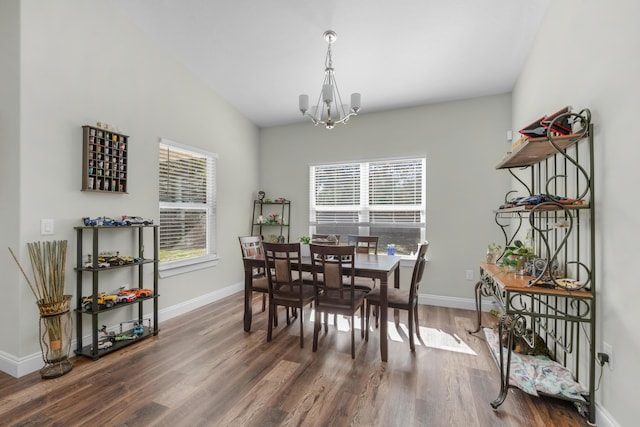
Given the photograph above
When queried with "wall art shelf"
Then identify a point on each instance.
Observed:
(105, 163)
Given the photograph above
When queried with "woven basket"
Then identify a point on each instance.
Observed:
(55, 308)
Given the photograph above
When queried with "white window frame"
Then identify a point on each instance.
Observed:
(171, 268)
(364, 208)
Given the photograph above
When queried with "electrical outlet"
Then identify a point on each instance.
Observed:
(469, 274)
(608, 350)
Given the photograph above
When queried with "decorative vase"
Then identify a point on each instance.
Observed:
(55, 337)
(305, 250)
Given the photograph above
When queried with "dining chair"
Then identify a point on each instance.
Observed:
(286, 288)
(364, 245)
(252, 246)
(331, 296)
(325, 239)
(403, 299)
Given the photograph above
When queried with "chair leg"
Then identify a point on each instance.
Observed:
(326, 323)
(316, 330)
(301, 329)
(415, 317)
(412, 344)
(271, 321)
(264, 301)
(362, 321)
(366, 333)
(353, 337)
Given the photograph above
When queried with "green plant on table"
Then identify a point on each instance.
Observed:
(515, 255)
(305, 239)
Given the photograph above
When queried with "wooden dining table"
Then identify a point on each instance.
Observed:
(373, 266)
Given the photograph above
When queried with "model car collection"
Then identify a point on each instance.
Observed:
(106, 300)
(106, 339)
(110, 260)
(125, 220)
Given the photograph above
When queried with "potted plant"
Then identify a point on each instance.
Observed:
(515, 256)
(48, 262)
(304, 246)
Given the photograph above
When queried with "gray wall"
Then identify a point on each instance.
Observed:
(586, 56)
(9, 170)
(462, 142)
(81, 62)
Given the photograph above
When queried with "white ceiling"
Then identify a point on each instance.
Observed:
(261, 54)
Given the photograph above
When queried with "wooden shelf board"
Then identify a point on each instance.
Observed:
(516, 283)
(528, 208)
(535, 150)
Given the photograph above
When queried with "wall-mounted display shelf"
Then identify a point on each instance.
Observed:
(105, 165)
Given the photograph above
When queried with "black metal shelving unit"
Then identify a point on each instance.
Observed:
(263, 209)
(82, 271)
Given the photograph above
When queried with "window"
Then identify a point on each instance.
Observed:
(187, 181)
(384, 198)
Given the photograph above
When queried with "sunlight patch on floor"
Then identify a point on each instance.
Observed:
(430, 337)
(436, 338)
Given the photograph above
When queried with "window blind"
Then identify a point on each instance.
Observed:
(383, 197)
(187, 203)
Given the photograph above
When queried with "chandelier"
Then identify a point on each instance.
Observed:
(329, 109)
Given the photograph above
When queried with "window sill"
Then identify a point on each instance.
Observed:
(176, 268)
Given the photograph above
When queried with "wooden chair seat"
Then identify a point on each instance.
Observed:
(362, 283)
(260, 284)
(396, 298)
(295, 295)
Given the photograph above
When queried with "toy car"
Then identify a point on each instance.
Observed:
(136, 220)
(90, 222)
(104, 345)
(104, 300)
(101, 264)
(139, 293)
(138, 328)
(126, 298)
(116, 260)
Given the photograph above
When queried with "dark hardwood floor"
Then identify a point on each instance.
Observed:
(204, 370)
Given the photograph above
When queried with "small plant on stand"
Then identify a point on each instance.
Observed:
(273, 218)
(515, 256)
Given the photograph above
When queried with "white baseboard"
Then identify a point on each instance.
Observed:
(604, 418)
(455, 302)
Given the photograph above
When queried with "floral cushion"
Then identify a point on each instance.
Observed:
(533, 374)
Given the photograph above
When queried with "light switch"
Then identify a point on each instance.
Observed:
(46, 227)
